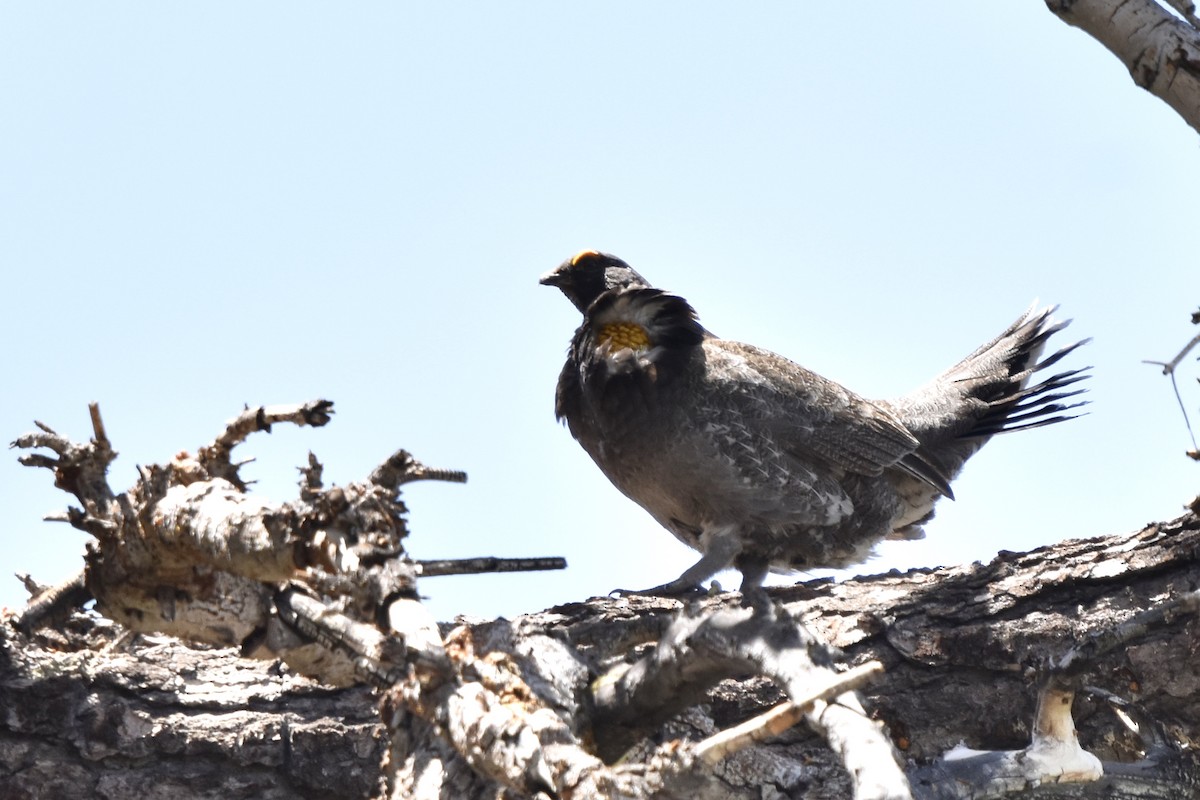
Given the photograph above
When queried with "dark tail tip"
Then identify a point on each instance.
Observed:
(1001, 375)
(1036, 405)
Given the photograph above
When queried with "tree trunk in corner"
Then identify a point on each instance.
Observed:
(87, 714)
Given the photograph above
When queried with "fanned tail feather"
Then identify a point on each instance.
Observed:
(1036, 405)
(991, 391)
(1012, 403)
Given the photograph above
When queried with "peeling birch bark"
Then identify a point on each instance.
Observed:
(1160, 49)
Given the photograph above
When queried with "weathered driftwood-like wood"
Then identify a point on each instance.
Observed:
(189, 552)
(966, 650)
(630, 698)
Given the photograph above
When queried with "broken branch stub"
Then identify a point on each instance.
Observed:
(215, 457)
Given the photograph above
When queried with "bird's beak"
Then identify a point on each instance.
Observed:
(552, 278)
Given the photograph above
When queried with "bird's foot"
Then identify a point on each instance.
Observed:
(754, 571)
(756, 598)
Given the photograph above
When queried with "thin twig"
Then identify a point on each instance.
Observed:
(1168, 368)
(782, 716)
(484, 564)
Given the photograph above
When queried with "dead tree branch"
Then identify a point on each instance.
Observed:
(632, 698)
(1159, 47)
(189, 552)
(477, 566)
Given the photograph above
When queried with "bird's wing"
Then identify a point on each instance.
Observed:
(815, 420)
(754, 473)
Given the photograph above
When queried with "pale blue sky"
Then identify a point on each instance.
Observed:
(218, 204)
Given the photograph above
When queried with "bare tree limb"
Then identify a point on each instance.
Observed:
(863, 747)
(1160, 50)
(215, 457)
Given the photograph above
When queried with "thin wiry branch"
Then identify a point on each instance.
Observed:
(1168, 368)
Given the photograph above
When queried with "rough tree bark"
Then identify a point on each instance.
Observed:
(631, 697)
(88, 714)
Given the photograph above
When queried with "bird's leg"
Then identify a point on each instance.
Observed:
(720, 547)
(754, 572)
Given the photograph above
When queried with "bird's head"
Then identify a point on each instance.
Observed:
(588, 274)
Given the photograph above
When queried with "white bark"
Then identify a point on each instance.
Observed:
(1160, 49)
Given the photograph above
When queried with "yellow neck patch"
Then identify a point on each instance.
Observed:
(621, 335)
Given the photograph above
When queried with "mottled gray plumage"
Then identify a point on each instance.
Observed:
(758, 462)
